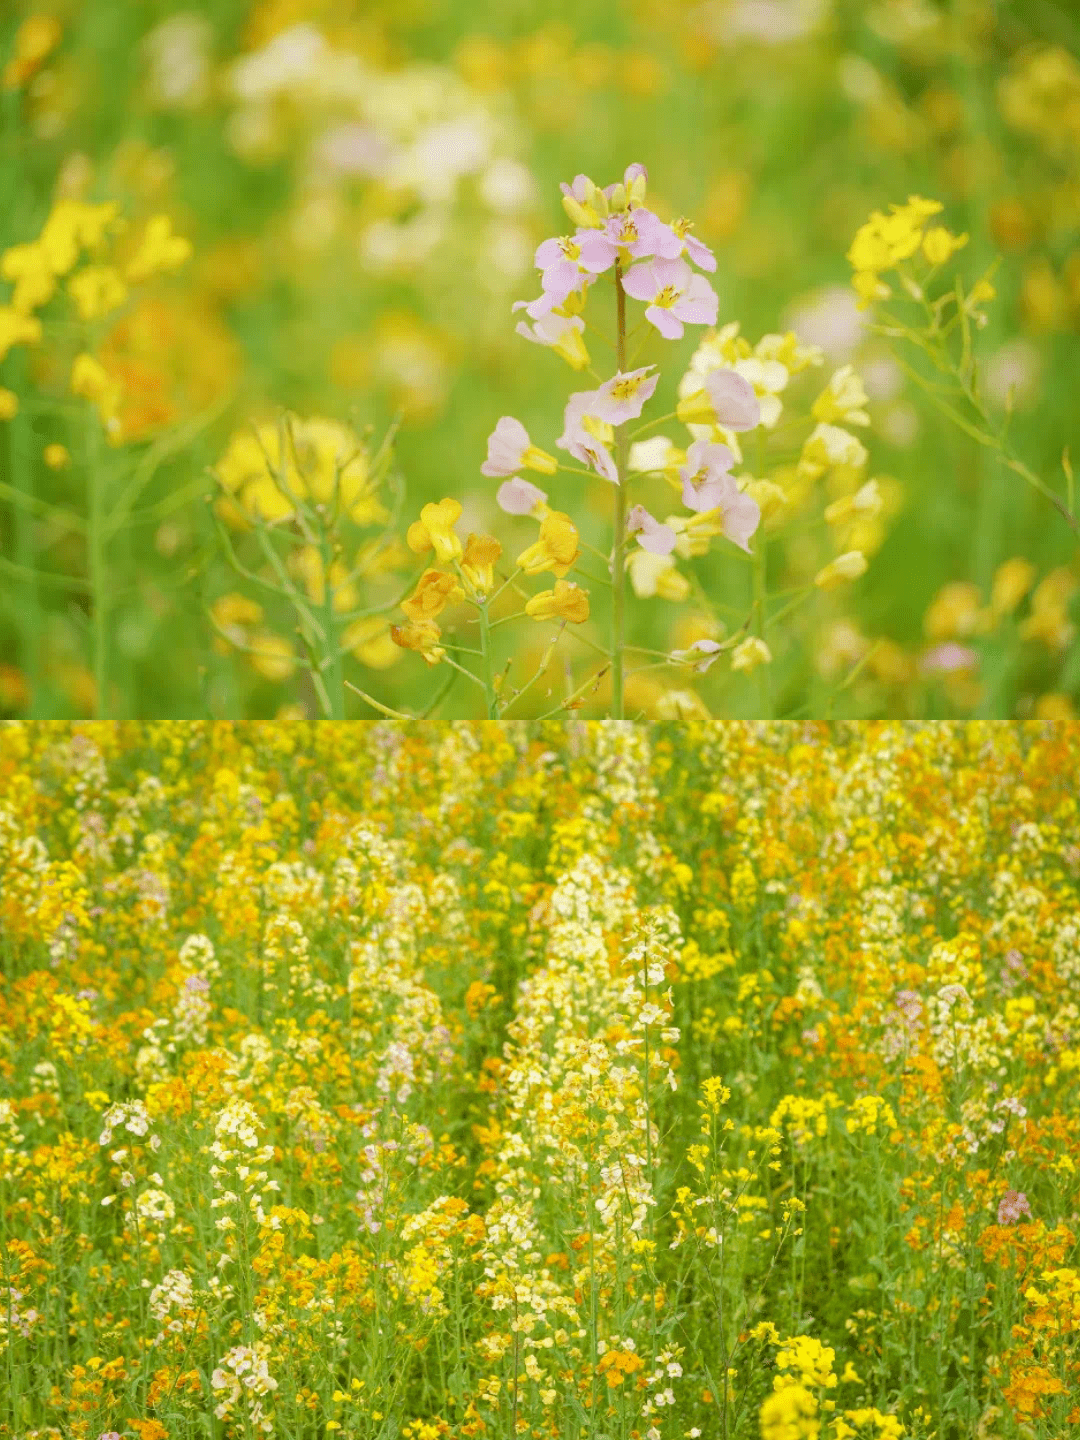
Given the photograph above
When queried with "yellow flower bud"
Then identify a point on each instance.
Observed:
(844, 568)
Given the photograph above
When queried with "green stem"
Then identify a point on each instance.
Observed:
(488, 664)
(96, 565)
(759, 591)
(27, 606)
(618, 570)
(334, 669)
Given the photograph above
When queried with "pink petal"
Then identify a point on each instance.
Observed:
(519, 497)
(708, 456)
(698, 309)
(548, 252)
(741, 519)
(699, 253)
(506, 445)
(676, 273)
(641, 283)
(597, 252)
(665, 322)
(615, 411)
(733, 399)
(652, 536)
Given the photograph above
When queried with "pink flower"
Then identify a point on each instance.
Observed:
(706, 481)
(643, 234)
(586, 436)
(673, 294)
(1012, 1205)
(726, 399)
(509, 447)
(621, 398)
(739, 514)
(561, 275)
(562, 332)
(519, 497)
(948, 658)
(700, 254)
(652, 536)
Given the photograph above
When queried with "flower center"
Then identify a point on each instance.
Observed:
(666, 297)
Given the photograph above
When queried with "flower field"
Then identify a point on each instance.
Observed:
(655, 360)
(565, 1080)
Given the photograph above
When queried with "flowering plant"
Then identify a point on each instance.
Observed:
(731, 389)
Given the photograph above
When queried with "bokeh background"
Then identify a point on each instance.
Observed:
(364, 184)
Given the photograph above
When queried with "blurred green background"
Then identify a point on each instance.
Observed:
(364, 185)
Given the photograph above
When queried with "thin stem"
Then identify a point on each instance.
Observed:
(671, 415)
(488, 664)
(759, 581)
(618, 563)
(334, 659)
(96, 565)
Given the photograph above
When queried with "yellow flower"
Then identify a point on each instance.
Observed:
(844, 568)
(566, 602)
(9, 404)
(790, 1414)
(36, 37)
(953, 613)
(556, 549)
(421, 636)
(751, 653)
(434, 591)
(273, 658)
(27, 267)
(843, 399)
(160, 249)
(435, 528)
(97, 290)
(656, 575)
(940, 244)
(1012, 581)
(478, 562)
(17, 329)
(91, 381)
(56, 457)
(369, 640)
